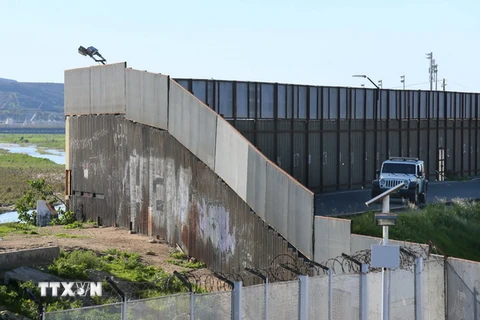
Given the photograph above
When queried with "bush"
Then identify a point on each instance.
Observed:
(453, 229)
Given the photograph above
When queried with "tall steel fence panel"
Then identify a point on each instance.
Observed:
(107, 312)
(318, 297)
(162, 308)
(213, 306)
(323, 136)
(346, 296)
(462, 303)
(253, 302)
(283, 300)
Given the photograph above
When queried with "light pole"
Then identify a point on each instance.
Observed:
(364, 76)
(375, 115)
(380, 83)
(402, 80)
(385, 256)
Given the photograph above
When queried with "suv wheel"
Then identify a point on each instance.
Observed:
(423, 197)
(414, 198)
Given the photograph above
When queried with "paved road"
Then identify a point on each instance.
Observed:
(345, 202)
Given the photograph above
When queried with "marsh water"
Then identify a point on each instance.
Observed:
(56, 156)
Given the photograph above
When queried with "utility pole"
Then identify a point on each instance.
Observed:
(432, 70)
(402, 80)
(435, 72)
(380, 84)
(444, 84)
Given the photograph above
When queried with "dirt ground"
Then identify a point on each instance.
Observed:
(98, 239)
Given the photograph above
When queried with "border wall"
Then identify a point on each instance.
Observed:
(334, 138)
(143, 153)
(129, 133)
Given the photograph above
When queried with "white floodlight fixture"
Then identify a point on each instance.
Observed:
(83, 51)
(92, 52)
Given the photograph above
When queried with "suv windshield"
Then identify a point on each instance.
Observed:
(398, 168)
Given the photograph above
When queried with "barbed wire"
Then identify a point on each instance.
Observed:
(283, 267)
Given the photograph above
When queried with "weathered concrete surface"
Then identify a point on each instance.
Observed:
(332, 238)
(23, 274)
(147, 98)
(151, 182)
(30, 257)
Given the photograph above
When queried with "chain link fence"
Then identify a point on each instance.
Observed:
(332, 297)
(341, 288)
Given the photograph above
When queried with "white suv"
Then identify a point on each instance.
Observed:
(400, 169)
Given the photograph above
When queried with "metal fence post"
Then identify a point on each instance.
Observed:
(192, 306)
(237, 300)
(363, 292)
(121, 294)
(303, 298)
(418, 288)
(475, 304)
(266, 298)
(330, 295)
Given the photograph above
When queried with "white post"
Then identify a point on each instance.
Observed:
(124, 313)
(418, 288)
(237, 300)
(330, 295)
(266, 298)
(192, 306)
(363, 292)
(385, 273)
(303, 298)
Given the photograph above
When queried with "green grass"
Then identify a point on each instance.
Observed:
(453, 229)
(67, 235)
(16, 169)
(17, 228)
(181, 259)
(50, 141)
(144, 281)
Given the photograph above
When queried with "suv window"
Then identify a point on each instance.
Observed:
(398, 168)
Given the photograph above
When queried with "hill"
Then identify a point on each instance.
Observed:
(20, 101)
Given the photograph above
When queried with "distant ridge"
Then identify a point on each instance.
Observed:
(28, 102)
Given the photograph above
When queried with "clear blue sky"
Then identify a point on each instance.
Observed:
(307, 42)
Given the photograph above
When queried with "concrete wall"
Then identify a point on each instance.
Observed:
(231, 158)
(107, 88)
(147, 98)
(193, 124)
(77, 91)
(359, 242)
(332, 238)
(152, 99)
(257, 181)
(95, 90)
(433, 293)
(469, 272)
(26, 258)
(148, 178)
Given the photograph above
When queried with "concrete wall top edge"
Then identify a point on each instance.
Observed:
(380, 239)
(146, 71)
(97, 66)
(462, 260)
(334, 218)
